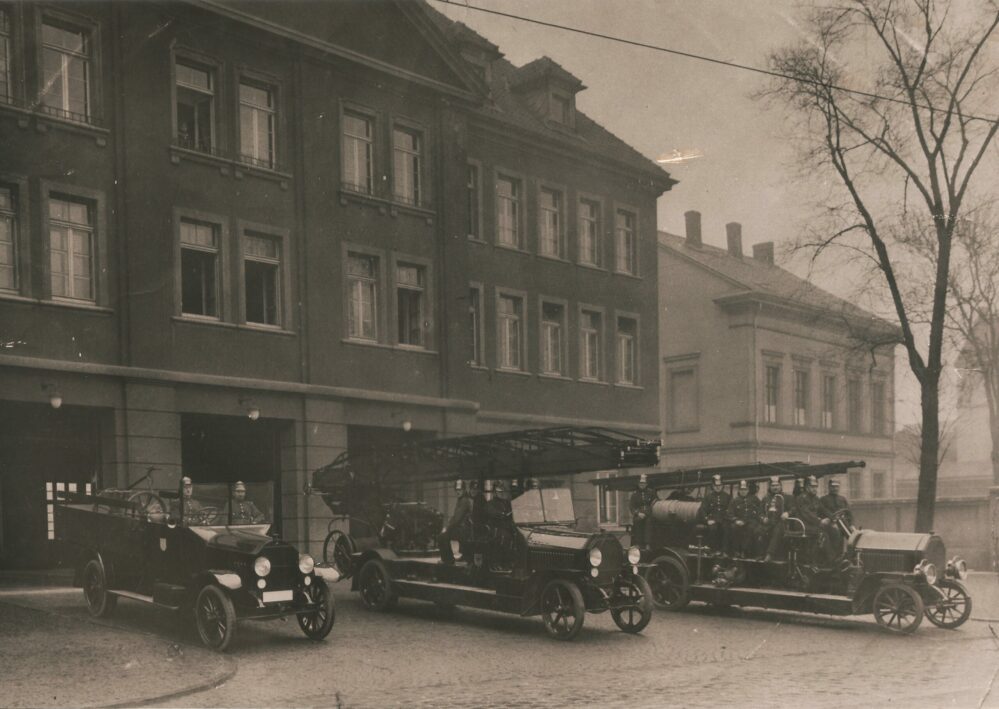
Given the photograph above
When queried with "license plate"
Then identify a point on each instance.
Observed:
(277, 596)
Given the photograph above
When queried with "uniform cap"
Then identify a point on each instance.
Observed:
(186, 480)
(834, 483)
(811, 480)
(743, 485)
(643, 478)
(239, 486)
(716, 479)
(775, 480)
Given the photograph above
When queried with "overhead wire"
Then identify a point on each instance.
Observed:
(700, 57)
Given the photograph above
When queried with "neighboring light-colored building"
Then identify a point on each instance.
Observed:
(239, 238)
(760, 365)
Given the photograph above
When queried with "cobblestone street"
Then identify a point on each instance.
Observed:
(416, 656)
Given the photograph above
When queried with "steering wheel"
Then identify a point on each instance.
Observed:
(841, 516)
(206, 515)
(150, 504)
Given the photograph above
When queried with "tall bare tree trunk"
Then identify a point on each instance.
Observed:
(929, 460)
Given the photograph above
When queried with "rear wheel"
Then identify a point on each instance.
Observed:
(637, 615)
(100, 603)
(215, 618)
(669, 581)
(375, 585)
(898, 608)
(562, 609)
(953, 608)
(317, 624)
(337, 550)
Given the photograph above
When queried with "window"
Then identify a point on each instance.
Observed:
(262, 278)
(508, 211)
(510, 313)
(802, 397)
(878, 489)
(65, 71)
(71, 250)
(410, 289)
(195, 106)
(828, 401)
(626, 246)
(627, 354)
(853, 405)
(550, 208)
(199, 263)
(407, 163)
(682, 405)
(856, 484)
(589, 232)
(362, 294)
(6, 89)
(475, 355)
(771, 402)
(608, 502)
(256, 124)
(878, 419)
(562, 109)
(357, 152)
(474, 203)
(8, 241)
(552, 332)
(590, 345)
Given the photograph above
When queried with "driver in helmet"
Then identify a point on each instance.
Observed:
(809, 511)
(713, 515)
(831, 504)
(243, 510)
(192, 508)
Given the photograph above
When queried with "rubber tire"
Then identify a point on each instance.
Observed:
(954, 624)
(674, 566)
(337, 550)
(213, 598)
(644, 607)
(893, 589)
(372, 569)
(318, 624)
(100, 603)
(559, 588)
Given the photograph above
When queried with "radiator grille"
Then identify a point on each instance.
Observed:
(552, 559)
(887, 561)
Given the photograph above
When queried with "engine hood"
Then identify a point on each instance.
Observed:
(556, 537)
(893, 541)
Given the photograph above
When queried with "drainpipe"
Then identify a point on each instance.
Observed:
(755, 388)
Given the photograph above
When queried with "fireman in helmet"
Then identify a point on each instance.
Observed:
(640, 504)
(743, 518)
(713, 515)
(808, 509)
(776, 508)
(831, 504)
(454, 528)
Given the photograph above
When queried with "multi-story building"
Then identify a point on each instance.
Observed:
(760, 365)
(237, 239)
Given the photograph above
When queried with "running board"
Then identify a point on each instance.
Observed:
(773, 598)
(453, 594)
(141, 597)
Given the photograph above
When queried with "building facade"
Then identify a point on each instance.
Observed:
(237, 239)
(761, 366)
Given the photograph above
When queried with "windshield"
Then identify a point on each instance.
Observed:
(552, 505)
(214, 504)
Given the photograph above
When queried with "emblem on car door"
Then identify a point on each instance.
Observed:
(162, 543)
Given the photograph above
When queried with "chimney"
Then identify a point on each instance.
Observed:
(733, 230)
(764, 252)
(693, 228)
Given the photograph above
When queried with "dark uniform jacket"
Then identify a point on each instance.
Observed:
(714, 506)
(808, 509)
(746, 509)
(642, 501)
(773, 506)
(832, 503)
(244, 512)
(462, 510)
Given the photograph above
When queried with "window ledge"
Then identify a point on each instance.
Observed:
(385, 206)
(625, 385)
(478, 367)
(627, 275)
(554, 377)
(477, 240)
(384, 346)
(514, 249)
(556, 259)
(202, 320)
(271, 329)
(43, 121)
(591, 266)
(597, 382)
(228, 166)
(88, 307)
(514, 372)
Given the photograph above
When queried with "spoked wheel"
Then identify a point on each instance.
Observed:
(317, 624)
(376, 586)
(637, 615)
(150, 505)
(562, 609)
(215, 618)
(669, 581)
(337, 550)
(898, 608)
(953, 608)
(100, 603)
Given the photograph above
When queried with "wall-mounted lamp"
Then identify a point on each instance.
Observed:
(55, 398)
(252, 410)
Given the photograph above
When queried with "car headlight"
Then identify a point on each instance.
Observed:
(596, 557)
(957, 567)
(306, 564)
(634, 555)
(262, 566)
(928, 570)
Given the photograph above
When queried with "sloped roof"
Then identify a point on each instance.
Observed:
(545, 67)
(761, 279)
(511, 108)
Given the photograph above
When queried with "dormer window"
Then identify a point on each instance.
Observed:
(561, 109)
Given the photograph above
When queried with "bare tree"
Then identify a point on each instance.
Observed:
(888, 98)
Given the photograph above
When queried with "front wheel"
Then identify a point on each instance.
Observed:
(562, 609)
(375, 585)
(953, 608)
(337, 550)
(669, 581)
(215, 618)
(317, 624)
(898, 608)
(100, 603)
(634, 617)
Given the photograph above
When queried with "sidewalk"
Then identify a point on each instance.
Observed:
(984, 589)
(58, 656)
